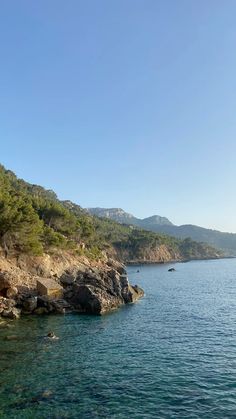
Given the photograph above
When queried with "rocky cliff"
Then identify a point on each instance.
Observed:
(87, 287)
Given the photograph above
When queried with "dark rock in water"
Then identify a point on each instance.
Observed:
(11, 313)
(171, 270)
(41, 310)
(135, 292)
(51, 335)
(98, 292)
(42, 301)
(30, 304)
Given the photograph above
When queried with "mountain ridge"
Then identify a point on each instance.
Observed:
(119, 215)
(222, 240)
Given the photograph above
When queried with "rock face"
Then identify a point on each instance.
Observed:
(30, 304)
(8, 309)
(159, 254)
(98, 292)
(85, 288)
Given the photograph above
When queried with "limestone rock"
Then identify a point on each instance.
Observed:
(69, 276)
(33, 283)
(5, 280)
(12, 313)
(12, 292)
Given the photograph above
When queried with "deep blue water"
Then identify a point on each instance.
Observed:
(171, 355)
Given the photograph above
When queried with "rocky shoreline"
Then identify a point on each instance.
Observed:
(161, 262)
(95, 289)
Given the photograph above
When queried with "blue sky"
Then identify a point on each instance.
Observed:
(123, 103)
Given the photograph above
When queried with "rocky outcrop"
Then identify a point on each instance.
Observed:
(95, 288)
(148, 254)
(98, 292)
(8, 309)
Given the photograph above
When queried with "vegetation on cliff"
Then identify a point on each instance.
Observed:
(33, 220)
(226, 242)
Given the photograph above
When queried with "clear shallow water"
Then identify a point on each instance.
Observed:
(171, 355)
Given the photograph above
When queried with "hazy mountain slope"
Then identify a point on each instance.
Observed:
(132, 244)
(115, 214)
(120, 216)
(220, 240)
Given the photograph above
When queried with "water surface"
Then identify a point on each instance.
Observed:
(171, 355)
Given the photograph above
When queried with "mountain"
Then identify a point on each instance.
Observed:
(220, 240)
(115, 214)
(120, 216)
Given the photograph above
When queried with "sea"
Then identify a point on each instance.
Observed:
(170, 355)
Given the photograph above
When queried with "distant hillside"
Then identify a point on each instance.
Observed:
(115, 214)
(120, 216)
(223, 241)
(33, 221)
(218, 239)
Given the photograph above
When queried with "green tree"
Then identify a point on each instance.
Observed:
(20, 227)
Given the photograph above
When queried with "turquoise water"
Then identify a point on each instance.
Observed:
(171, 355)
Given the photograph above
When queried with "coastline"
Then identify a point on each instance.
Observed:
(58, 285)
(152, 262)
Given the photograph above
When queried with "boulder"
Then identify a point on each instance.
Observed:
(42, 301)
(135, 293)
(12, 313)
(30, 304)
(5, 280)
(67, 280)
(103, 291)
(41, 310)
(69, 276)
(6, 305)
(11, 292)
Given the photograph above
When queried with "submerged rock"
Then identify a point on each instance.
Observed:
(11, 337)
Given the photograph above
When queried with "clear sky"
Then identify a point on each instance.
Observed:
(123, 103)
